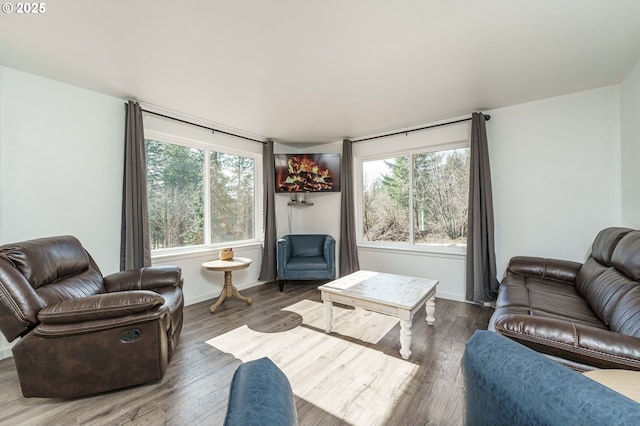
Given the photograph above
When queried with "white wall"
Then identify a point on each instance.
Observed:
(630, 137)
(61, 157)
(555, 168)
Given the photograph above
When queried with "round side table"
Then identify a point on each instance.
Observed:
(227, 266)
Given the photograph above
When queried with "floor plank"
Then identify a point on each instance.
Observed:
(353, 376)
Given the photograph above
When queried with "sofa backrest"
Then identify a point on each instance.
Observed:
(609, 279)
(41, 272)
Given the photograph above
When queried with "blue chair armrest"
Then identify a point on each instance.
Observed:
(329, 252)
(260, 395)
(283, 251)
(507, 383)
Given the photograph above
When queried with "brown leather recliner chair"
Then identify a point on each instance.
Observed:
(82, 333)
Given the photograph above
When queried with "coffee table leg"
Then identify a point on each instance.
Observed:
(430, 307)
(328, 316)
(405, 339)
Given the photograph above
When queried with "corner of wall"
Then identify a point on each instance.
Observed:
(2, 126)
(630, 147)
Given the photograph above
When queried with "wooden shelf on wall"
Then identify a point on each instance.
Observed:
(298, 204)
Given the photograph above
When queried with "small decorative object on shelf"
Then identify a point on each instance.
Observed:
(226, 253)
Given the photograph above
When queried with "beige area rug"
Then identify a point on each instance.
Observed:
(335, 372)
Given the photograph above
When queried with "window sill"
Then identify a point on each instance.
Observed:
(450, 253)
(196, 252)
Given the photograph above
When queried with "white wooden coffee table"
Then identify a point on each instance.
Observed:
(396, 295)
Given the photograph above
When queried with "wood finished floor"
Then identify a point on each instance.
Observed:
(354, 376)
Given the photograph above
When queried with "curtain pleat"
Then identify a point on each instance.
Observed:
(481, 281)
(135, 246)
(268, 267)
(348, 243)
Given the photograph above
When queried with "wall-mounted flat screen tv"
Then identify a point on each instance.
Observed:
(307, 172)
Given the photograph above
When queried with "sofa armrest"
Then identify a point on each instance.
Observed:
(555, 269)
(260, 394)
(572, 341)
(100, 307)
(506, 383)
(148, 278)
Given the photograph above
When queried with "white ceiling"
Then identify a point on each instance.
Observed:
(317, 71)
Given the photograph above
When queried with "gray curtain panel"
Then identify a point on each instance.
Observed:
(348, 244)
(482, 284)
(135, 247)
(268, 268)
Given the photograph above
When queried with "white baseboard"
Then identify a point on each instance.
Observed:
(216, 294)
(450, 296)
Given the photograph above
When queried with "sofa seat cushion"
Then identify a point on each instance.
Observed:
(306, 263)
(536, 296)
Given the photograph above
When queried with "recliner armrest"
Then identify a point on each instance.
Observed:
(573, 341)
(555, 269)
(100, 306)
(147, 278)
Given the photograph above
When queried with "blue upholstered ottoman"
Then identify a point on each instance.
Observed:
(507, 383)
(260, 395)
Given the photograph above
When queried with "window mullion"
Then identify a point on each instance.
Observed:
(411, 200)
(207, 198)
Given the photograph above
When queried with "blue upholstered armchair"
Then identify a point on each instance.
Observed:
(306, 257)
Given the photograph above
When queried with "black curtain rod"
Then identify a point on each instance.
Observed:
(201, 126)
(487, 117)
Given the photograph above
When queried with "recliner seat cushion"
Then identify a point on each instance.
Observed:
(83, 284)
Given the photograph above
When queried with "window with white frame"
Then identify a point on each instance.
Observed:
(199, 196)
(416, 199)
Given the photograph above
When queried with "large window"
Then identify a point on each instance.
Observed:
(416, 199)
(198, 196)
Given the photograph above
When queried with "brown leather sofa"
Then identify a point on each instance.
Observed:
(586, 316)
(82, 333)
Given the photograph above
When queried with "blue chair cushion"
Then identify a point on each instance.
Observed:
(260, 395)
(307, 263)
